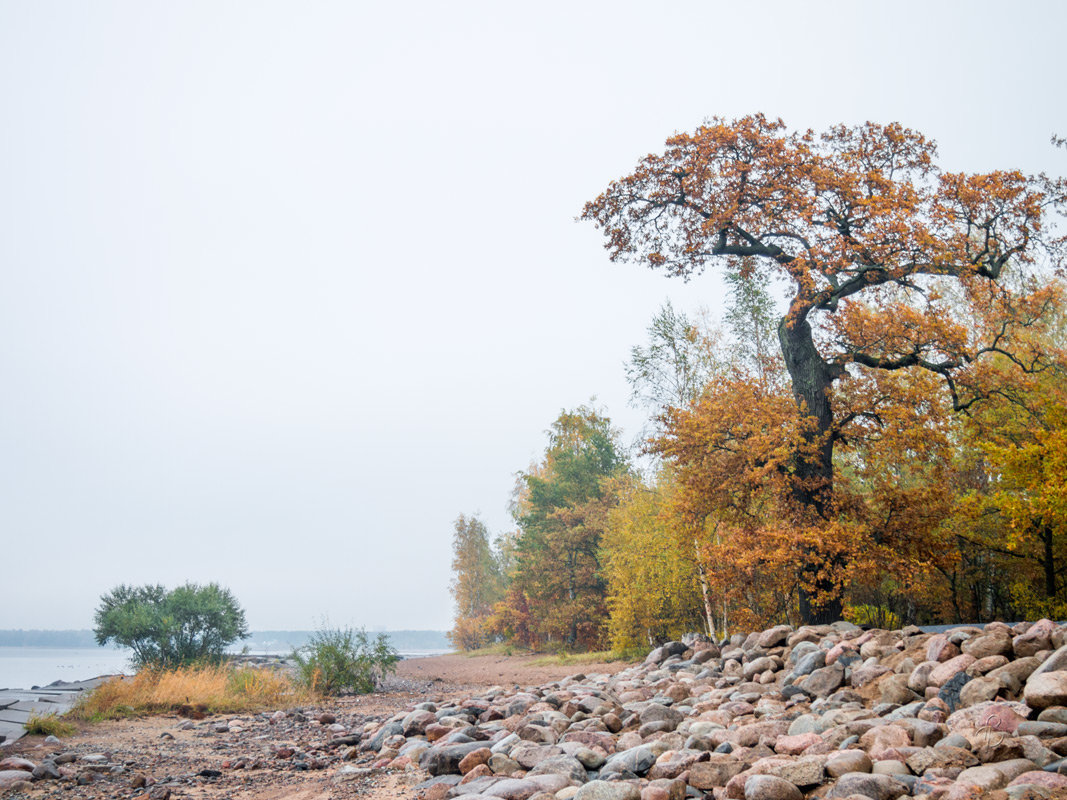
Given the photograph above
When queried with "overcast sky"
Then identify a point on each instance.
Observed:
(288, 286)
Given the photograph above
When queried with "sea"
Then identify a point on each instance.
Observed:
(26, 667)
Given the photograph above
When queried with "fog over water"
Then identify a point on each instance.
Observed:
(286, 287)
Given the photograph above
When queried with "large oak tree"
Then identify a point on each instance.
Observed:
(890, 263)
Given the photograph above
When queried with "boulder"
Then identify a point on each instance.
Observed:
(995, 643)
(919, 678)
(637, 760)
(824, 681)
(774, 637)
(707, 775)
(444, 760)
(1037, 638)
(1055, 662)
(608, 790)
(473, 759)
(978, 690)
(768, 787)
(876, 787)
(1046, 780)
(567, 766)
(939, 648)
(1045, 689)
(846, 761)
(945, 670)
(11, 777)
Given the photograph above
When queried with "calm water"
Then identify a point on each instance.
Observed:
(23, 667)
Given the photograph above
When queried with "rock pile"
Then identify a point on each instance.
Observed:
(829, 711)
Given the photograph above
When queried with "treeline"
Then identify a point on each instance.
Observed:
(43, 638)
(878, 430)
(406, 640)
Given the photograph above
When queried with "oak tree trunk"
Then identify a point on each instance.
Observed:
(813, 463)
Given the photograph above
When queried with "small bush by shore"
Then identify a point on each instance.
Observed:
(342, 660)
(191, 690)
(48, 725)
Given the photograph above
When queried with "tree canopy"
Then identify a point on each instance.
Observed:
(188, 624)
(893, 266)
(873, 430)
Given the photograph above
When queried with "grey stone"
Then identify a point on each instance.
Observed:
(46, 770)
(567, 766)
(608, 790)
(1042, 729)
(445, 760)
(387, 730)
(876, 787)
(1053, 714)
(513, 789)
(1055, 662)
(637, 760)
(802, 649)
(805, 723)
(823, 682)
(657, 712)
(768, 787)
(809, 663)
(950, 690)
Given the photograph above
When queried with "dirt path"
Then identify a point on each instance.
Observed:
(268, 757)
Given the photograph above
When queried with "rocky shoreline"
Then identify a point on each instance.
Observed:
(782, 714)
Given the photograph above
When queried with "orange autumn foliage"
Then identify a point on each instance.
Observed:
(893, 266)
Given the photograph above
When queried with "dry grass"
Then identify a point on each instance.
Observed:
(193, 691)
(594, 657)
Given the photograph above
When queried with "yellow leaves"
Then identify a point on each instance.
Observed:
(649, 564)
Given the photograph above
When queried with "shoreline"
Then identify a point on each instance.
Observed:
(829, 711)
(170, 751)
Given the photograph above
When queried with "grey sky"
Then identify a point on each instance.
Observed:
(288, 286)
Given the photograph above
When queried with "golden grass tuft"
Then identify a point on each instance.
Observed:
(48, 725)
(193, 691)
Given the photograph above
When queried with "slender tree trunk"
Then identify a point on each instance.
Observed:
(1049, 562)
(813, 464)
(709, 614)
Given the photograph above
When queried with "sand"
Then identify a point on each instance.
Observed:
(157, 749)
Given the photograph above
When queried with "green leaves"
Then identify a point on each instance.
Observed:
(340, 660)
(561, 518)
(189, 624)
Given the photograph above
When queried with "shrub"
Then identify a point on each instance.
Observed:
(343, 660)
(48, 725)
(187, 625)
(192, 691)
(875, 616)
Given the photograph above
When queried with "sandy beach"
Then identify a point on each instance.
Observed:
(171, 757)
